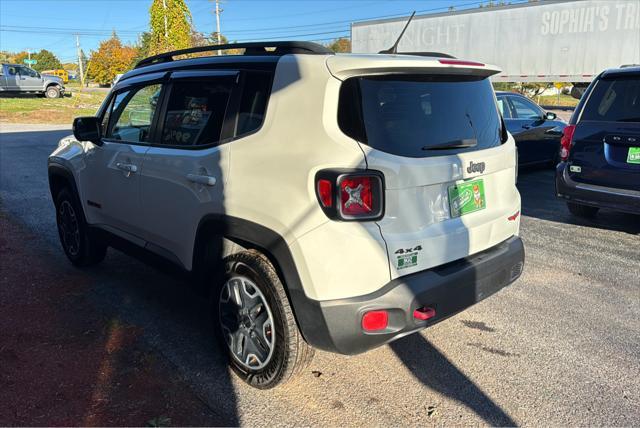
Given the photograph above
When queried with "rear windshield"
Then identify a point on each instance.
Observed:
(614, 101)
(420, 116)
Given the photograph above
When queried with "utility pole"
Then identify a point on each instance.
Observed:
(166, 28)
(29, 53)
(80, 65)
(218, 11)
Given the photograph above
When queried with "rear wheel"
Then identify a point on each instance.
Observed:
(582, 210)
(52, 92)
(79, 245)
(256, 324)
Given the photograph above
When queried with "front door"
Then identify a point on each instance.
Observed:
(183, 178)
(111, 188)
(535, 136)
(29, 80)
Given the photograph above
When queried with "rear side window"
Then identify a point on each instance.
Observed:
(196, 111)
(420, 116)
(253, 104)
(614, 101)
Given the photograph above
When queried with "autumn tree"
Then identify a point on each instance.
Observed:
(111, 58)
(46, 61)
(19, 57)
(171, 26)
(340, 45)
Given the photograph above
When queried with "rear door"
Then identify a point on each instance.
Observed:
(606, 141)
(184, 175)
(449, 173)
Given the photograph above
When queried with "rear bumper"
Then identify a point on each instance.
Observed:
(593, 195)
(448, 289)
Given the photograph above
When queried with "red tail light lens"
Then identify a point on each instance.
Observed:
(325, 192)
(356, 196)
(350, 194)
(565, 141)
(375, 320)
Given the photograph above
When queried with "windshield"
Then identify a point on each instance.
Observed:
(420, 116)
(614, 101)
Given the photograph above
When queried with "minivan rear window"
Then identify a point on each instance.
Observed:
(616, 100)
(420, 116)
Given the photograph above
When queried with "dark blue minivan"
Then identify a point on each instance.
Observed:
(600, 149)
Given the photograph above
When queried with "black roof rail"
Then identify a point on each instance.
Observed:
(433, 54)
(251, 48)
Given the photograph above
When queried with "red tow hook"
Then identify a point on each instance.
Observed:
(424, 313)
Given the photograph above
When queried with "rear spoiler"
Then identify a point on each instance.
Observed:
(344, 67)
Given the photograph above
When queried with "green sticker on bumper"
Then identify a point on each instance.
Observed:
(634, 155)
(465, 198)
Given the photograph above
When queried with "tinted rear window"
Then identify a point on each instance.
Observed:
(420, 116)
(614, 101)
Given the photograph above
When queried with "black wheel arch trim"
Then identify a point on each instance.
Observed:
(307, 311)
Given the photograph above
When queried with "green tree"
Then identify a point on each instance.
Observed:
(46, 61)
(340, 45)
(111, 58)
(171, 26)
(143, 46)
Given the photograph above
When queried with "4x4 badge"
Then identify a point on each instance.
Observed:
(475, 167)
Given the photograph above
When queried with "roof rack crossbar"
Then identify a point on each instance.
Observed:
(251, 48)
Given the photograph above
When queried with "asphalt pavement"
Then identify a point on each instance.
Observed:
(561, 346)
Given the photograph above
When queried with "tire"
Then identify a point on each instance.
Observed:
(264, 323)
(81, 248)
(52, 92)
(584, 211)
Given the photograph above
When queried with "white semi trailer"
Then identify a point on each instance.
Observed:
(544, 41)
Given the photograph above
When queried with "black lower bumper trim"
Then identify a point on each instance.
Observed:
(449, 289)
(597, 196)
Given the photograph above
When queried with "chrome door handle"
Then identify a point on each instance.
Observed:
(127, 167)
(207, 180)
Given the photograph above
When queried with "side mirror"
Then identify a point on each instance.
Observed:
(87, 129)
(550, 116)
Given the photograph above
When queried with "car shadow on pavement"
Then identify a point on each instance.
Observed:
(537, 190)
(434, 370)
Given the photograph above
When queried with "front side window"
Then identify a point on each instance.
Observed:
(25, 71)
(422, 115)
(615, 100)
(196, 111)
(132, 114)
(525, 109)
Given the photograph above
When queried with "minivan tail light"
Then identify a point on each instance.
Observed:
(351, 195)
(565, 141)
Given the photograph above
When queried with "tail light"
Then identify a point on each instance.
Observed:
(351, 195)
(565, 141)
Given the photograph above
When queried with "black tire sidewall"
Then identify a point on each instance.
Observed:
(250, 266)
(88, 252)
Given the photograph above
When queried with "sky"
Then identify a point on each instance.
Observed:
(51, 24)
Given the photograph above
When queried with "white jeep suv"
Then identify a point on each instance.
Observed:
(327, 201)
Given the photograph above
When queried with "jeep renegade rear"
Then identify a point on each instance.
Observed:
(358, 198)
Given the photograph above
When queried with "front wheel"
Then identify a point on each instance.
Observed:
(81, 248)
(52, 92)
(256, 324)
(582, 210)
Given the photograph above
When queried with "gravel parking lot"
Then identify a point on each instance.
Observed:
(559, 347)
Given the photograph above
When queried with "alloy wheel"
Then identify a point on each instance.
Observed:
(69, 228)
(247, 323)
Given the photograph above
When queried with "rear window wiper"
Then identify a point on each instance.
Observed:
(454, 144)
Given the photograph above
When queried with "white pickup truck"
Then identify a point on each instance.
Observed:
(16, 78)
